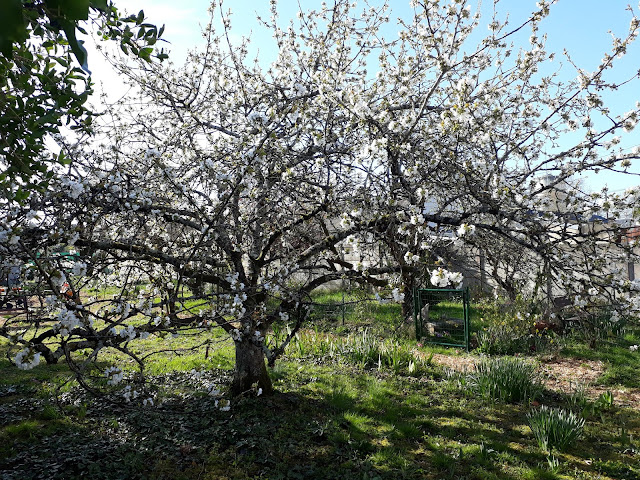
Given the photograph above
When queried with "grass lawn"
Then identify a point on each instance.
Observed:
(348, 404)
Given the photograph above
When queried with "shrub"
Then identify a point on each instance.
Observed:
(506, 329)
(598, 324)
(506, 379)
(555, 427)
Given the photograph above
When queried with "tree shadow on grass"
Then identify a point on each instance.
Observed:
(357, 427)
(322, 423)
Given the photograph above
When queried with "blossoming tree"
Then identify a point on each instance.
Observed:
(222, 196)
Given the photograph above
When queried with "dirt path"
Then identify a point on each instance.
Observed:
(559, 374)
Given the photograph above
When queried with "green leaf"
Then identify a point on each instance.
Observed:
(62, 61)
(145, 53)
(63, 160)
(21, 195)
(12, 26)
(70, 9)
(76, 45)
(49, 117)
(99, 4)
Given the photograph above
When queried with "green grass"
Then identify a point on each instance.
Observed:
(360, 311)
(621, 364)
(330, 418)
(448, 309)
(347, 406)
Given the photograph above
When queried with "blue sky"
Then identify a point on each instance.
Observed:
(579, 26)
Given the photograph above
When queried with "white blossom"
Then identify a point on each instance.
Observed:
(67, 321)
(79, 269)
(397, 295)
(346, 222)
(129, 393)
(466, 229)
(410, 258)
(74, 187)
(443, 278)
(114, 375)
(27, 358)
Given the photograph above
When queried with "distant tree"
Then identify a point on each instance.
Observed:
(43, 88)
(223, 198)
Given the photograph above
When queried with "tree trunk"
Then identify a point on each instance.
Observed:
(250, 369)
(408, 281)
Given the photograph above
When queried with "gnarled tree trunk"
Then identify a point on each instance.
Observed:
(250, 369)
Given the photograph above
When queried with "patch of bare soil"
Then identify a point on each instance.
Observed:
(558, 374)
(463, 363)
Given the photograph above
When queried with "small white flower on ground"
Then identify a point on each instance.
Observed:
(114, 375)
(633, 348)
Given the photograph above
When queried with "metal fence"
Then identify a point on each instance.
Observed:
(332, 311)
(441, 316)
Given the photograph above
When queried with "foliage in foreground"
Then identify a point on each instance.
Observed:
(42, 86)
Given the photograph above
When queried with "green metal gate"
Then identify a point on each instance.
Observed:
(441, 316)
